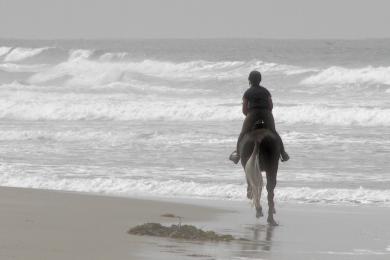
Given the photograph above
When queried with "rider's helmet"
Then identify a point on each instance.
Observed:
(254, 78)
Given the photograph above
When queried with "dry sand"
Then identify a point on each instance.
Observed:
(38, 224)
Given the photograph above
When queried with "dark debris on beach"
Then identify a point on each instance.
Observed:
(179, 232)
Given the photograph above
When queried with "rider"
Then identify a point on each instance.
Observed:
(257, 105)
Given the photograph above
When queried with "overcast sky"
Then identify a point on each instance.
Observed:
(86, 19)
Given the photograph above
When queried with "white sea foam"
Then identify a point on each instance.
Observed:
(142, 87)
(79, 54)
(342, 76)
(29, 105)
(189, 189)
(110, 137)
(325, 115)
(335, 195)
(356, 252)
(12, 67)
(4, 50)
(70, 106)
(66, 136)
(19, 53)
(109, 56)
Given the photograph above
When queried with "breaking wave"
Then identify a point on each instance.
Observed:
(4, 50)
(19, 53)
(342, 76)
(328, 115)
(111, 67)
(12, 67)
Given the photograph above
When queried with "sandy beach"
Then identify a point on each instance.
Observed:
(40, 224)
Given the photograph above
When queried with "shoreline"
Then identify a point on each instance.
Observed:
(45, 224)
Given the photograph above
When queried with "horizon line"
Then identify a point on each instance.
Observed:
(189, 38)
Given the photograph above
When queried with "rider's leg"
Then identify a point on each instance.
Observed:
(270, 124)
(246, 127)
(283, 154)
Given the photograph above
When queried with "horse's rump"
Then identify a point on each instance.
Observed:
(268, 144)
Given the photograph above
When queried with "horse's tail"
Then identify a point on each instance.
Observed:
(254, 176)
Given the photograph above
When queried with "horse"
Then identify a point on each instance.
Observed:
(260, 151)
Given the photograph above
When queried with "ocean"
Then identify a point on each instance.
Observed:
(159, 118)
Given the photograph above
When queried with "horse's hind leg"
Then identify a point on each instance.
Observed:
(249, 193)
(271, 184)
(259, 209)
(258, 179)
(256, 201)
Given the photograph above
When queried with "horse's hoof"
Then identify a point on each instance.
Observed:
(272, 222)
(259, 213)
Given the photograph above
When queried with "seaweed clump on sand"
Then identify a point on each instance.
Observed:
(179, 232)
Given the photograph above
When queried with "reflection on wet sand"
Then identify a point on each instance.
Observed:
(260, 239)
(257, 244)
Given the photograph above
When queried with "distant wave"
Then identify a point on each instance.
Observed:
(4, 50)
(342, 76)
(111, 67)
(177, 188)
(19, 53)
(91, 67)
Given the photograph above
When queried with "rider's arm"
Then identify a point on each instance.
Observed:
(244, 106)
(270, 104)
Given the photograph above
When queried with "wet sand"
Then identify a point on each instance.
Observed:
(39, 224)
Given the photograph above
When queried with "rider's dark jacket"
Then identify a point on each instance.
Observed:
(258, 97)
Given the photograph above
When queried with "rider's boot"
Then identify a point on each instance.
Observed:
(234, 157)
(284, 157)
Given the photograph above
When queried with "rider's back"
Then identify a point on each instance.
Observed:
(257, 97)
